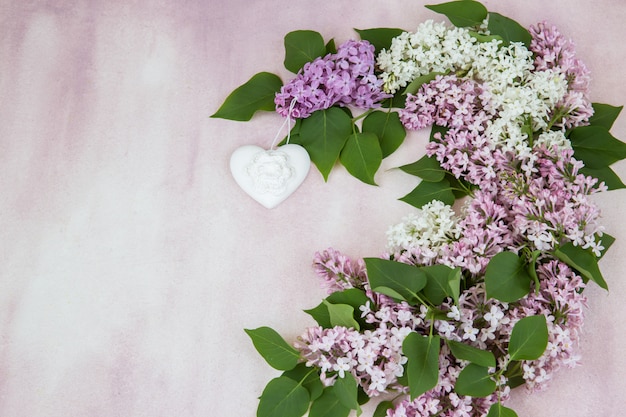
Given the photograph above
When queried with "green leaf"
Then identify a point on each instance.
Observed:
(256, 94)
(404, 279)
(529, 338)
(475, 381)
(381, 408)
(472, 354)
(320, 315)
(607, 242)
(379, 37)
(331, 48)
(278, 353)
(388, 128)
(583, 261)
(454, 284)
(426, 192)
(418, 82)
(427, 168)
(362, 156)
(596, 147)
(462, 13)
(309, 378)
(423, 362)
(302, 46)
(442, 281)
(352, 296)
(506, 277)
(606, 175)
(482, 38)
(342, 315)
(604, 115)
(323, 135)
(346, 391)
(498, 410)
(283, 397)
(328, 405)
(508, 29)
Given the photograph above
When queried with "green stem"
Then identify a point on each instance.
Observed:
(361, 116)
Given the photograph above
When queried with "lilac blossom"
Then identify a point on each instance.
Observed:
(526, 194)
(553, 51)
(344, 78)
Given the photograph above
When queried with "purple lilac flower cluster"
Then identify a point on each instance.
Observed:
(553, 51)
(346, 77)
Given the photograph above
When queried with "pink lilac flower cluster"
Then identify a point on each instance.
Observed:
(338, 271)
(553, 51)
(346, 77)
(450, 102)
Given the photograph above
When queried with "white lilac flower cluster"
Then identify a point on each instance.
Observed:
(431, 227)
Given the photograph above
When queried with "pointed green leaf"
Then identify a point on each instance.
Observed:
(342, 315)
(417, 83)
(426, 192)
(506, 277)
(256, 94)
(388, 128)
(331, 48)
(309, 378)
(427, 168)
(353, 296)
(404, 279)
(596, 147)
(454, 284)
(381, 408)
(508, 29)
(346, 391)
(472, 354)
(583, 261)
(607, 242)
(320, 315)
(606, 175)
(362, 156)
(604, 115)
(328, 405)
(439, 285)
(323, 135)
(278, 353)
(379, 37)
(475, 381)
(283, 397)
(302, 46)
(462, 13)
(529, 338)
(498, 410)
(422, 366)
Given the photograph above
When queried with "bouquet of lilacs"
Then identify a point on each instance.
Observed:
(480, 290)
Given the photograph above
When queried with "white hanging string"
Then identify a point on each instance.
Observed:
(286, 122)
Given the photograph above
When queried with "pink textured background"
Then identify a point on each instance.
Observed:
(130, 261)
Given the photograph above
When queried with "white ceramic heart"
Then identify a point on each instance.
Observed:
(270, 176)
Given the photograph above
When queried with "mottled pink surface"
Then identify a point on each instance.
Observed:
(131, 261)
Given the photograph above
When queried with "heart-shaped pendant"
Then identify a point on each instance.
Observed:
(270, 176)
